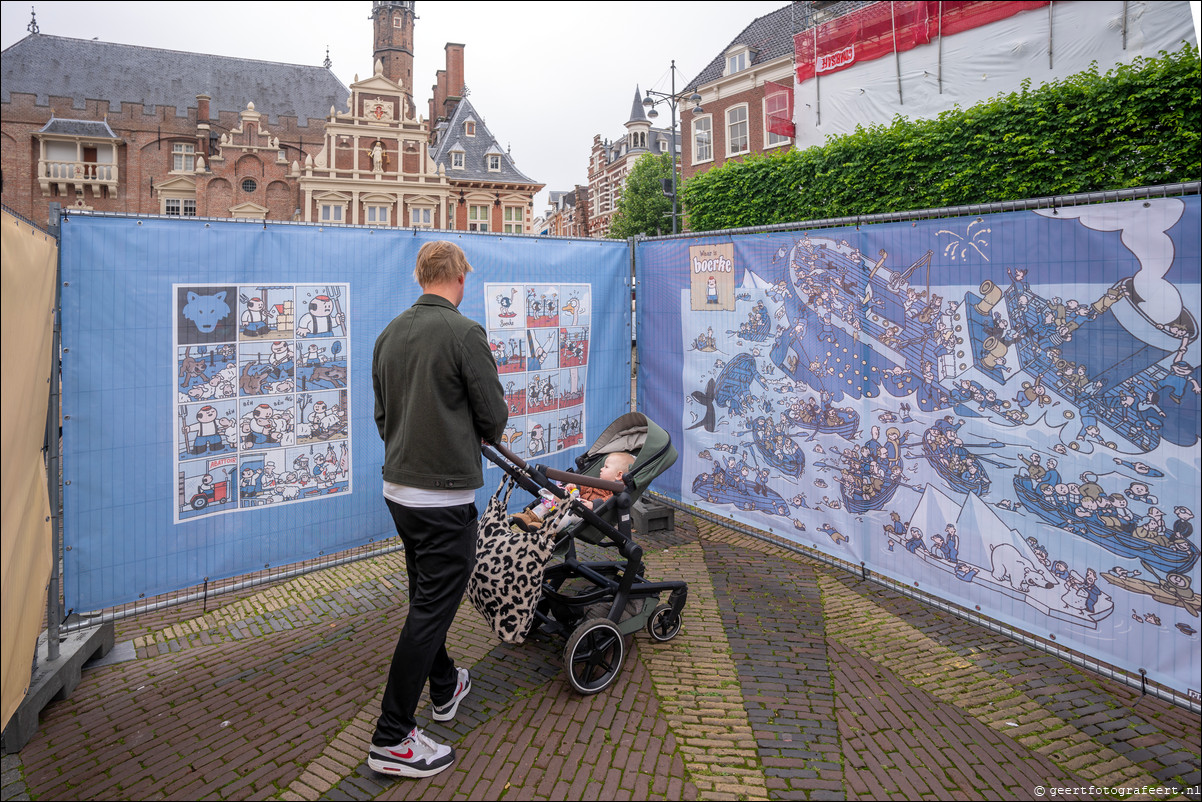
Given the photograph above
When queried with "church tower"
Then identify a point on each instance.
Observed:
(393, 42)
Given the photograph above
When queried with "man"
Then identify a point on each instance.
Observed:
(437, 396)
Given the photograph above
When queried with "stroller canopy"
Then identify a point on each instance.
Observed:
(636, 433)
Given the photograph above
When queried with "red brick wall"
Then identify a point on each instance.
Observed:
(143, 158)
(754, 98)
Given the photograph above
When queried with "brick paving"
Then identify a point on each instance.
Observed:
(790, 680)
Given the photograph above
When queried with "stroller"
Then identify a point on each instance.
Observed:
(596, 605)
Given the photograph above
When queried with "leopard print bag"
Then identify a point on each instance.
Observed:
(507, 581)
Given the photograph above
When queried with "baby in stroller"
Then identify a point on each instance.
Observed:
(612, 470)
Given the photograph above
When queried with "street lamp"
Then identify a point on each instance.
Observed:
(649, 103)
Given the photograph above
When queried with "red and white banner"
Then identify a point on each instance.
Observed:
(882, 28)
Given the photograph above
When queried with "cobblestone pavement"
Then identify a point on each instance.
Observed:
(790, 680)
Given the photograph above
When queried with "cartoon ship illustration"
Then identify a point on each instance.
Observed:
(1176, 557)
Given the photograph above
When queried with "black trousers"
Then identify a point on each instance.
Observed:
(440, 551)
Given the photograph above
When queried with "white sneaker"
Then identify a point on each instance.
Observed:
(447, 712)
(416, 756)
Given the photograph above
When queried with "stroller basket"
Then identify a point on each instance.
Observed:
(596, 605)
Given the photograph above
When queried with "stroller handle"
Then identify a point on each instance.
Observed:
(557, 475)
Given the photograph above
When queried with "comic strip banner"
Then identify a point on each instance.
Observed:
(1002, 411)
(218, 413)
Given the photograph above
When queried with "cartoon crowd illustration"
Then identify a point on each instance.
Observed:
(262, 406)
(539, 335)
(1026, 441)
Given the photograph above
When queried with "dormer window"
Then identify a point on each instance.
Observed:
(738, 59)
(457, 160)
(494, 163)
(469, 128)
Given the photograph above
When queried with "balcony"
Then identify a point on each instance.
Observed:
(70, 177)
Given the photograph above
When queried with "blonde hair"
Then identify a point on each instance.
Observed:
(439, 262)
(625, 460)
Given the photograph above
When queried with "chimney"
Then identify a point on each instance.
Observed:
(440, 96)
(202, 125)
(455, 77)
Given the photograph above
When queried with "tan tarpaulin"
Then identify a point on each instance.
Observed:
(29, 258)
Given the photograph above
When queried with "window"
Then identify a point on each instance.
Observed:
(180, 208)
(457, 160)
(331, 213)
(377, 214)
(736, 63)
(249, 185)
(736, 131)
(397, 21)
(494, 164)
(469, 128)
(421, 218)
(477, 218)
(703, 139)
(776, 105)
(183, 157)
(515, 220)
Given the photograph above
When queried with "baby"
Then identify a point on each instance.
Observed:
(613, 469)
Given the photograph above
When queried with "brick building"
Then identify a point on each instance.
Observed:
(109, 127)
(746, 94)
(567, 215)
(610, 163)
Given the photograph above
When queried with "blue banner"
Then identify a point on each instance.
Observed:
(1001, 410)
(217, 396)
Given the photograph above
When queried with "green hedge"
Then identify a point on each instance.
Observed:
(1137, 125)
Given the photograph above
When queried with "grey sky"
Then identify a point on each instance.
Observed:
(545, 76)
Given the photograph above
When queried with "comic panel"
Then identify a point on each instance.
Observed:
(319, 469)
(321, 367)
(541, 433)
(207, 372)
(266, 422)
(323, 312)
(205, 315)
(508, 350)
(543, 347)
(266, 312)
(573, 346)
(542, 391)
(321, 416)
(514, 436)
(569, 429)
(266, 367)
(502, 304)
(207, 429)
(571, 386)
(542, 305)
(207, 486)
(576, 308)
(515, 394)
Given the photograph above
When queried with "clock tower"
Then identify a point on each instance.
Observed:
(393, 43)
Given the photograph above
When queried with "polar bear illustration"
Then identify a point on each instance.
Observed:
(1010, 564)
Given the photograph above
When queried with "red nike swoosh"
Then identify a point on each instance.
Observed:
(408, 753)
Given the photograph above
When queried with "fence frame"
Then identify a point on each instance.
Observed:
(57, 622)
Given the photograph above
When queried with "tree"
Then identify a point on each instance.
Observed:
(643, 207)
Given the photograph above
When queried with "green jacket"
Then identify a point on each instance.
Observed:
(437, 396)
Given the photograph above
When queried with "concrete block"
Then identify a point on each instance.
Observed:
(650, 516)
(55, 680)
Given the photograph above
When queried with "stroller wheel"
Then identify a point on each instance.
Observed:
(593, 656)
(664, 625)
